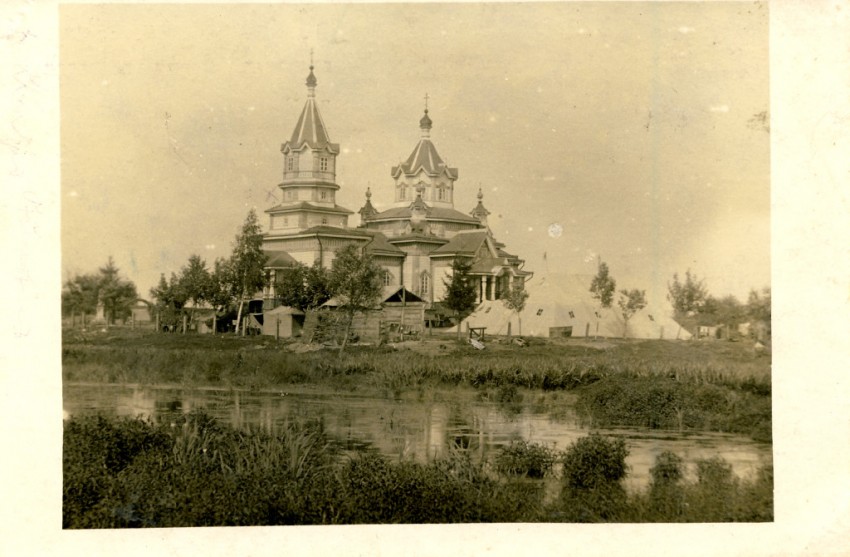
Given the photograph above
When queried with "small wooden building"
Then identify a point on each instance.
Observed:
(400, 314)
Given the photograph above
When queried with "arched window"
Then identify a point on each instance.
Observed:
(424, 284)
(402, 192)
(388, 277)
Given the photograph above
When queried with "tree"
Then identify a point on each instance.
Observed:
(603, 285)
(726, 311)
(514, 298)
(461, 295)
(246, 263)
(79, 295)
(195, 280)
(356, 282)
(115, 293)
(302, 287)
(758, 306)
(169, 300)
(630, 302)
(687, 297)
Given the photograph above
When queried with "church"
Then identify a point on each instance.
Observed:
(414, 239)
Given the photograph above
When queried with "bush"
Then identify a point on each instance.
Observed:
(594, 467)
(522, 458)
(594, 461)
(666, 496)
(665, 403)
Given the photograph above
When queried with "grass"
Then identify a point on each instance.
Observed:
(715, 386)
(122, 473)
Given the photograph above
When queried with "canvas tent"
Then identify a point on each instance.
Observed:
(562, 306)
(283, 321)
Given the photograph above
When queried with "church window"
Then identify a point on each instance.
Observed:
(424, 284)
(402, 192)
(388, 278)
(323, 195)
(441, 193)
(323, 164)
(292, 163)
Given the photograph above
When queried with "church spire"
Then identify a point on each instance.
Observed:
(480, 212)
(425, 122)
(368, 210)
(311, 128)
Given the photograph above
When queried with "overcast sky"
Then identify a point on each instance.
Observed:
(639, 129)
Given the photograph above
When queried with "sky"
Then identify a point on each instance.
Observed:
(632, 132)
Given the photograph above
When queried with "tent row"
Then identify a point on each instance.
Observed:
(562, 306)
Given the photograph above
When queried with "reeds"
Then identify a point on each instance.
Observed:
(134, 473)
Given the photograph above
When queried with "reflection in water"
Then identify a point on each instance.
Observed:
(410, 429)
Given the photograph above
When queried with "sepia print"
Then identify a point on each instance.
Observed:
(415, 263)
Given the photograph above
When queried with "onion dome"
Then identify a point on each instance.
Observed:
(311, 79)
(425, 122)
(368, 210)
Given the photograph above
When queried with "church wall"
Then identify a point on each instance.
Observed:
(393, 265)
(440, 270)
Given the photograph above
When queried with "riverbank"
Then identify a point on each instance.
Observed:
(680, 385)
(121, 473)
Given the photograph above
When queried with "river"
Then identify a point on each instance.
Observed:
(417, 427)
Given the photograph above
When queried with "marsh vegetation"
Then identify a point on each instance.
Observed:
(194, 470)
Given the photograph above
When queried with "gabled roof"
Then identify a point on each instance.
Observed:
(463, 243)
(399, 293)
(380, 245)
(487, 265)
(425, 157)
(388, 294)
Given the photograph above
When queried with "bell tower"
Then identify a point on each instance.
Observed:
(309, 174)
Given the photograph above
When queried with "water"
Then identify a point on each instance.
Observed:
(417, 428)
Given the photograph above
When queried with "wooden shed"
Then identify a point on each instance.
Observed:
(400, 314)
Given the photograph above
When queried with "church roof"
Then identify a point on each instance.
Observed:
(378, 243)
(487, 265)
(463, 243)
(310, 128)
(424, 157)
(279, 259)
(432, 213)
(309, 206)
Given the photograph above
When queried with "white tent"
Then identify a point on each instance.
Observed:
(562, 306)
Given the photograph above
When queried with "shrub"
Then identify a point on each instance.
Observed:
(667, 469)
(666, 496)
(594, 467)
(594, 461)
(522, 458)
